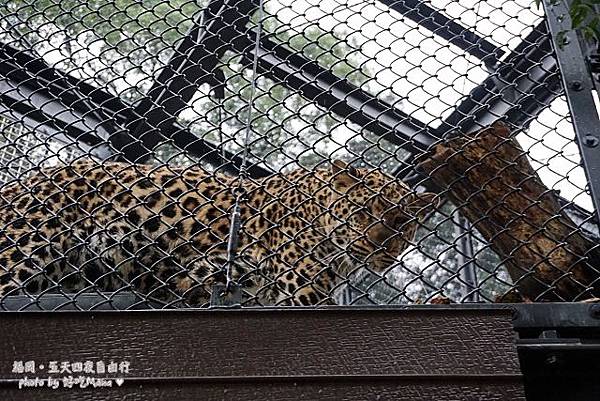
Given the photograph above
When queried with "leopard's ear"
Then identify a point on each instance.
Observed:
(344, 175)
(421, 204)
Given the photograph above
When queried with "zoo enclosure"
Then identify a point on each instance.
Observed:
(378, 84)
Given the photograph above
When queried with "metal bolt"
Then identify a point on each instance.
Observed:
(591, 141)
(576, 85)
(595, 311)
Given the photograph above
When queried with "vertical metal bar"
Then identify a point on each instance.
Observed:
(578, 85)
(346, 295)
(465, 262)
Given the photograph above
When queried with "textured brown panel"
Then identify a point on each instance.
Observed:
(441, 347)
(423, 391)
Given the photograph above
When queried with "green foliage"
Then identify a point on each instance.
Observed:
(585, 17)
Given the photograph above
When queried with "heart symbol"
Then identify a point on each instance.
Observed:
(119, 382)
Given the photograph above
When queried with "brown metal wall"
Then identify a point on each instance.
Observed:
(337, 354)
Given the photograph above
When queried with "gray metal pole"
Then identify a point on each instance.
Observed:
(468, 269)
(578, 85)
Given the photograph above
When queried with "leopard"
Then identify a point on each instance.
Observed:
(165, 232)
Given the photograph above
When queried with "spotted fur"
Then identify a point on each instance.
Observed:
(162, 231)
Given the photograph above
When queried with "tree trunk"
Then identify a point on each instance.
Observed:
(487, 175)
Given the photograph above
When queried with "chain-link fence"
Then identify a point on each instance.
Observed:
(168, 153)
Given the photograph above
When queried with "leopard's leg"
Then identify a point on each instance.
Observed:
(137, 262)
(46, 252)
(303, 272)
(197, 283)
(193, 280)
(306, 281)
(32, 259)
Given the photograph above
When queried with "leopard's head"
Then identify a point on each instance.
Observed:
(375, 216)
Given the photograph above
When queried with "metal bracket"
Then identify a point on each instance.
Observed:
(223, 297)
(578, 85)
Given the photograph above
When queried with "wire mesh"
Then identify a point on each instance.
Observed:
(377, 171)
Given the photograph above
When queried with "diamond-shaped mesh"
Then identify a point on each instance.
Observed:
(378, 152)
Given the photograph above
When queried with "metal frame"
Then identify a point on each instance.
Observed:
(522, 86)
(446, 28)
(578, 83)
(526, 316)
(221, 29)
(194, 62)
(57, 101)
(36, 91)
(519, 89)
(513, 90)
(221, 26)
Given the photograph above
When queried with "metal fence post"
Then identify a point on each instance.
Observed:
(578, 85)
(468, 269)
